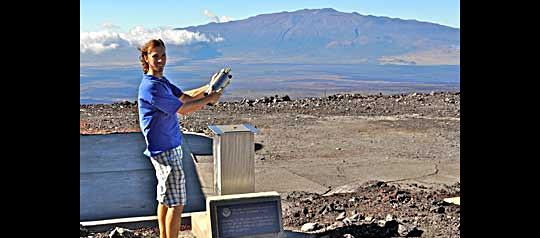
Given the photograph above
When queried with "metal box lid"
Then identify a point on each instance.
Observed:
(221, 129)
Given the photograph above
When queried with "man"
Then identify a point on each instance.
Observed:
(159, 101)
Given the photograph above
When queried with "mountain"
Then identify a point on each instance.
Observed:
(327, 35)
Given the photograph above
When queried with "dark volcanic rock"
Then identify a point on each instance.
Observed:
(362, 216)
(83, 231)
(123, 116)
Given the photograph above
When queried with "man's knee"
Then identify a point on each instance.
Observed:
(176, 209)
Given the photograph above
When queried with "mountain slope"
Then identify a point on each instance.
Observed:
(327, 34)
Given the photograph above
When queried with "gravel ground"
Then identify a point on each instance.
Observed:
(376, 209)
(123, 117)
(372, 209)
(363, 165)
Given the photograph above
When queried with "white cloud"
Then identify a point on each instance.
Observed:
(215, 18)
(109, 25)
(100, 41)
(225, 19)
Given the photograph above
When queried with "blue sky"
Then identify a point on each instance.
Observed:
(123, 15)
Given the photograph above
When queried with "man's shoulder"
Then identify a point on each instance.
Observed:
(152, 83)
(172, 85)
(150, 89)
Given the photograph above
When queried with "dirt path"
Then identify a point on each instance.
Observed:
(338, 150)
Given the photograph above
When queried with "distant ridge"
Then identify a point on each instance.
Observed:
(329, 35)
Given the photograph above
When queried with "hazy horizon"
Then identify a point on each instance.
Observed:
(114, 84)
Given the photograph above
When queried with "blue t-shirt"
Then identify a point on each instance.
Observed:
(158, 103)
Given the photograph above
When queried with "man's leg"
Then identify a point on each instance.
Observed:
(174, 217)
(162, 215)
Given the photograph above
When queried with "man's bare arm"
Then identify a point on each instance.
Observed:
(192, 104)
(194, 93)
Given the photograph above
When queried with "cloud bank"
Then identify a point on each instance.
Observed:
(215, 18)
(100, 41)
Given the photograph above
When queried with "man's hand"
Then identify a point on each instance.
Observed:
(214, 97)
(214, 76)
